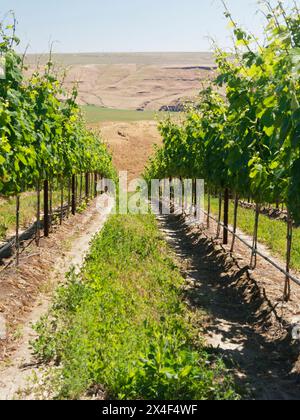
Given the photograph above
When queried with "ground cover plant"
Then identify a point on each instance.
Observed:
(122, 324)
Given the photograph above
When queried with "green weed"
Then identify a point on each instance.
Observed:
(122, 324)
(94, 114)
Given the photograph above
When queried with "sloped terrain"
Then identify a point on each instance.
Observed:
(134, 81)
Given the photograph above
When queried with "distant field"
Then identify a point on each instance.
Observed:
(133, 81)
(95, 114)
(140, 58)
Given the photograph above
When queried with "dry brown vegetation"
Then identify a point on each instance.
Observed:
(134, 81)
(131, 144)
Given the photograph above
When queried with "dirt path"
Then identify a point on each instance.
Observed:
(242, 324)
(21, 365)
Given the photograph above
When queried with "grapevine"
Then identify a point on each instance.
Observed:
(243, 134)
(43, 135)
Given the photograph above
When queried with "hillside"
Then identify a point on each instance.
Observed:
(143, 81)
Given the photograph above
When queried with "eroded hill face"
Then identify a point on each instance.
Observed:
(135, 81)
(131, 144)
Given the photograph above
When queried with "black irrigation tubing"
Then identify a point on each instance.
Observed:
(271, 262)
(25, 243)
(22, 250)
(11, 243)
(290, 276)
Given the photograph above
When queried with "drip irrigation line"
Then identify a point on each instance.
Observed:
(269, 260)
(273, 263)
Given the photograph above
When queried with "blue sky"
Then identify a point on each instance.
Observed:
(127, 25)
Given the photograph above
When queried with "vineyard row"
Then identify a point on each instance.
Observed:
(43, 136)
(243, 135)
(75, 193)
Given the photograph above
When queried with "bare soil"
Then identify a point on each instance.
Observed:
(245, 320)
(26, 293)
(133, 81)
(131, 144)
(247, 323)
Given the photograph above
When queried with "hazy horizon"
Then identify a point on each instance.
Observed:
(98, 26)
(122, 52)
(167, 58)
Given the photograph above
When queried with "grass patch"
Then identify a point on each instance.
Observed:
(95, 114)
(28, 208)
(27, 212)
(122, 324)
(272, 233)
(8, 213)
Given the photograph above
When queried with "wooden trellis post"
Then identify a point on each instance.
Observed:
(160, 197)
(73, 195)
(182, 194)
(208, 207)
(226, 217)
(87, 186)
(51, 204)
(195, 198)
(287, 287)
(69, 197)
(46, 208)
(219, 216)
(38, 213)
(17, 229)
(95, 184)
(80, 192)
(61, 199)
(255, 239)
(235, 216)
(172, 196)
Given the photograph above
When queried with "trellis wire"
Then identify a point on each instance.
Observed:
(275, 265)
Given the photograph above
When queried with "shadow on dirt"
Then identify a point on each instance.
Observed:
(242, 325)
